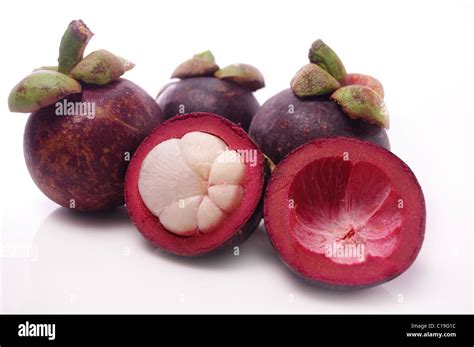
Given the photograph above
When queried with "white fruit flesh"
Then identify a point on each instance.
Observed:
(191, 184)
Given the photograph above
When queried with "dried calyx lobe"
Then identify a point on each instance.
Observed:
(205, 87)
(323, 101)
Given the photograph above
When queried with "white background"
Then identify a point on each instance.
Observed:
(420, 50)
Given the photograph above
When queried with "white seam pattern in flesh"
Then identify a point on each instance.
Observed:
(192, 183)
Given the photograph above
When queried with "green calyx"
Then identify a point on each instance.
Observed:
(206, 55)
(48, 84)
(202, 64)
(312, 80)
(366, 81)
(360, 102)
(41, 88)
(245, 75)
(100, 67)
(360, 96)
(73, 44)
(48, 68)
(323, 56)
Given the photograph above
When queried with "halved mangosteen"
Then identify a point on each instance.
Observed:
(345, 213)
(195, 184)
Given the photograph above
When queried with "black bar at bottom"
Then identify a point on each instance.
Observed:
(317, 330)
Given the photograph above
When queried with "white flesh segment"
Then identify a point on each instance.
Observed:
(165, 177)
(228, 168)
(209, 215)
(226, 196)
(200, 150)
(181, 217)
(175, 183)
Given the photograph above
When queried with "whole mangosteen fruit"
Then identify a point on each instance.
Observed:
(85, 124)
(323, 101)
(204, 87)
(196, 184)
(345, 213)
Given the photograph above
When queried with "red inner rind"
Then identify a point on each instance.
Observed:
(341, 205)
(282, 221)
(150, 226)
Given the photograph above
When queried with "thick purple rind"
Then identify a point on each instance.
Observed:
(339, 287)
(84, 160)
(285, 122)
(209, 94)
(248, 229)
(346, 287)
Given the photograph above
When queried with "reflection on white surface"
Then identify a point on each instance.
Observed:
(100, 263)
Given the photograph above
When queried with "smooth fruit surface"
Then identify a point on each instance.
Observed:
(80, 161)
(285, 122)
(209, 94)
(195, 184)
(345, 213)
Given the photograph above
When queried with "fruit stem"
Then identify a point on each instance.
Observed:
(322, 55)
(73, 44)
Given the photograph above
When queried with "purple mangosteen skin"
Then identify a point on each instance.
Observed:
(209, 94)
(285, 122)
(80, 159)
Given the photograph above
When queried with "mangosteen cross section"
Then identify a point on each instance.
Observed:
(192, 183)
